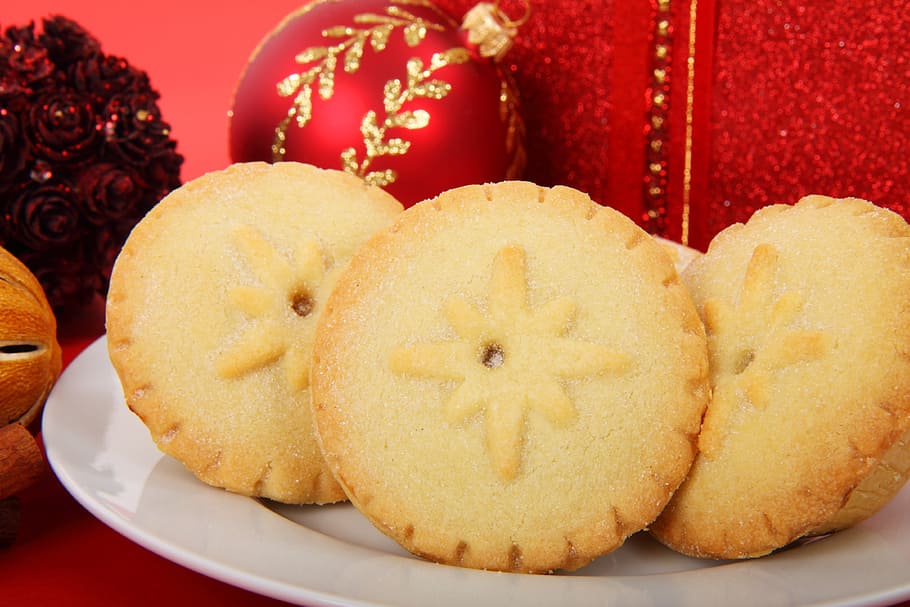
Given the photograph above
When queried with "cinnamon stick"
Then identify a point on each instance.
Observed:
(21, 462)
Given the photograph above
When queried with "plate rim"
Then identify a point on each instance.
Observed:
(259, 582)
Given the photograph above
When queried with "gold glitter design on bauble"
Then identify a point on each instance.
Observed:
(352, 42)
(509, 361)
(419, 85)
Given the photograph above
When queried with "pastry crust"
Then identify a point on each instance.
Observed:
(211, 313)
(510, 377)
(806, 311)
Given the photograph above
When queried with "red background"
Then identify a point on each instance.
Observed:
(194, 53)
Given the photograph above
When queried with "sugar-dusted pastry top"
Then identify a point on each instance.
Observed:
(806, 312)
(211, 314)
(510, 377)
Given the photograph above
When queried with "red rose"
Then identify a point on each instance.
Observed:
(63, 126)
(66, 41)
(133, 128)
(102, 76)
(163, 170)
(110, 192)
(27, 60)
(43, 217)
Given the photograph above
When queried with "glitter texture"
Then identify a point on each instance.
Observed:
(658, 97)
(807, 98)
(593, 77)
(763, 102)
(561, 62)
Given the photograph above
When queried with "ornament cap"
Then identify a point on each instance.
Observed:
(490, 30)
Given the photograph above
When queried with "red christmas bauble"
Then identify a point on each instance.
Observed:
(390, 90)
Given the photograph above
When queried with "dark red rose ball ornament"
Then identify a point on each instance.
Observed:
(394, 91)
(84, 154)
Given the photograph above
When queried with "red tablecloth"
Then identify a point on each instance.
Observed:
(194, 53)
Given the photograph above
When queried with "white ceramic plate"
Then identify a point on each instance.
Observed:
(330, 555)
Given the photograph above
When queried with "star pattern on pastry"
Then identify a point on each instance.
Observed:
(508, 361)
(751, 341)
(280, 307)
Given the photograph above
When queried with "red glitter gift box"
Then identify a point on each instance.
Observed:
(690, 114)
